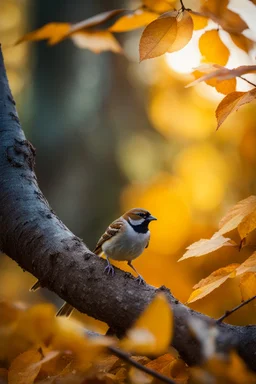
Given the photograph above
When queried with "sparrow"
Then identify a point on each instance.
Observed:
(124, 240)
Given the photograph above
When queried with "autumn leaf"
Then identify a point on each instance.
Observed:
(23, 369)
(205, 246)
(152, 332)
(213, 281)
(212, 48)
(215, 71)
(184, 32)
(236, 214)
(242, 42)
(219, 12)
(158, 37)
(199, 21)
(232, 102)
(56, 32)
(96, 41)
(248, 285)
(223, 86)
(159, 6)
(138, 19)
(248, 265)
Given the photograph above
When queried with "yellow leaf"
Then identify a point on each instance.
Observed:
(199, 21)
(247, 225)
(205, 246)
(53, 32)
(70, 336)
(213, 49)
(159, 6)
(213, 281)
(158, 37)
(222, 86)
(232, 102)
(248, 285)
(138, 19)
(248, 265)
(23, 369)
(96, 41)
(236, 214)
(184, 32)
(152, 332)
(56, 32)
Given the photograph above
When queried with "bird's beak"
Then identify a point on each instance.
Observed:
(151, 218)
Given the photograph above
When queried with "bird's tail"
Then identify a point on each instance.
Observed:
(65, 310)
(36, 286)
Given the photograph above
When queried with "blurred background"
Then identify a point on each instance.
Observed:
(112, 134)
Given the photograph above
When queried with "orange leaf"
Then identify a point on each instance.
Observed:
(184, 32)
(205, 246)
(96, 41)
(152, 332)
(247, 225)
(23, 369)
(222, 86)
(219, 12)
(56, 32)
(248, 265)
(213, 281)
(158, 37)
(212, 48)
(242, 42)
(199, 21)
(232, 103)
(53, 32)
(159, 6)
(135, 20)
(236, 214)
(248, 285)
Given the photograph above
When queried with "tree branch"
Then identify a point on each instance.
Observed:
(33, 236)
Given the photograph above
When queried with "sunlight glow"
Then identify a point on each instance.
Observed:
(186, 59)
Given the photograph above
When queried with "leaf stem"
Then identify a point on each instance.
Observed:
(183, 8)
(227, 313)
(126, 357)
(248, 81)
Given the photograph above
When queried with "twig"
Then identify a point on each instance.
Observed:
(247, 81)
(183, 8)
(227, 313)
(124, 356)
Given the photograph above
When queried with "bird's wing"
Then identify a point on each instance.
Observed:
(112, 230)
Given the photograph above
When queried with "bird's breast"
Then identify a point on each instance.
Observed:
(127, 245)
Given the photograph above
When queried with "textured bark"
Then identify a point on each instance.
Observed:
(33, 236)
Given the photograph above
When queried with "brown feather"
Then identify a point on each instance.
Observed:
(111, 231)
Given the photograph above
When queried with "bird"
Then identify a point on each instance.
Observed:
(124, 240)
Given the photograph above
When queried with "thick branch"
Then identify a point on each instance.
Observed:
(33, 236)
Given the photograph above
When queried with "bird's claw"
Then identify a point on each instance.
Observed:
(140, 280)
(109, 270)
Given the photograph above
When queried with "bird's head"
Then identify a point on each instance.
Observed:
(139, 217)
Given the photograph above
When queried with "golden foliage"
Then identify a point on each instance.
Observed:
(205, 246)
(158, 37)
(248, 285)
(152, 332)
(212, 48)
(213, 281)
(184, 32)
(232, 102)
(134, 20)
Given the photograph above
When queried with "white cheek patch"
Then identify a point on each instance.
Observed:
(136, 222)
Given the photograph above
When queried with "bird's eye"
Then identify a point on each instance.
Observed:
(141, 214)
